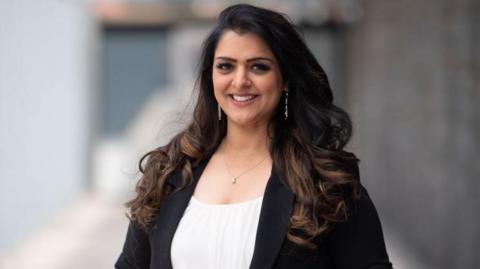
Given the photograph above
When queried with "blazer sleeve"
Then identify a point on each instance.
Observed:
(358, 243)
(136, 249)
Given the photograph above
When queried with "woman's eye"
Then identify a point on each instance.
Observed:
(260, 67)
(224, 66)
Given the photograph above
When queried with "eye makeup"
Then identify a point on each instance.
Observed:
(256, 67)
(223, 66)
(260, 67)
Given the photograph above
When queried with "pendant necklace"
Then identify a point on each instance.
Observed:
(234, 178)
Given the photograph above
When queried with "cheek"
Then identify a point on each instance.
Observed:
(275, 98)
(276, 91)
(220, 83)
(272, 86)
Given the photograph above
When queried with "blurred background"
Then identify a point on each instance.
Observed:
(88, 87)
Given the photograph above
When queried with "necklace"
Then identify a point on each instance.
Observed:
(234, 178)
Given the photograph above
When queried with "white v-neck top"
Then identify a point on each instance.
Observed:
(216, 236)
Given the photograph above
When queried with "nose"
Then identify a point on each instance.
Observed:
(241, 79)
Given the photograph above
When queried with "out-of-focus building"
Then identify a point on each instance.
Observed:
(414, 92)
(47, 77)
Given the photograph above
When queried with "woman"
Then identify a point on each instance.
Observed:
(259, 179)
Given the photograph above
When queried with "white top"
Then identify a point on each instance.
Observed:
(216, 236)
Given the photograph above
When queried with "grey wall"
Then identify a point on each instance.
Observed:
(134, 65)
(45, 84)
(327, 43)
(413, 83)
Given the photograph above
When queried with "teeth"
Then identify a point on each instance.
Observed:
(242, 98)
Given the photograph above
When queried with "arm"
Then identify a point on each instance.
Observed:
(136, 250)
(358, 243)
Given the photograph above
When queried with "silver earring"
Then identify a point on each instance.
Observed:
(286, 105)
(219, 113)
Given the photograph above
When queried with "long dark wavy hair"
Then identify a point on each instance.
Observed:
(307, 149)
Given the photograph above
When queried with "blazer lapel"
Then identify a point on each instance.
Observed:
(273, 224)
(168, 218)
(272, 227)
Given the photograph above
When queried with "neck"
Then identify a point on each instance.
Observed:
(246, 141)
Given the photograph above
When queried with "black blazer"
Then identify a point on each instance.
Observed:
(355, 244)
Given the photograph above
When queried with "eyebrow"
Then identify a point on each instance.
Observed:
(248, 60)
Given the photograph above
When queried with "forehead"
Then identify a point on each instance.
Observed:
(244, 45)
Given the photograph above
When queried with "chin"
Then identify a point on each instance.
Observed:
(240, 122)
(244, 121)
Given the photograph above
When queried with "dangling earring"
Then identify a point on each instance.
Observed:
(219, 113)
(286, 105)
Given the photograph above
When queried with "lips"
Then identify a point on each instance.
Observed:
(242, 98)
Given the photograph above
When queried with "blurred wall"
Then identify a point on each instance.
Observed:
(414, 92)
(46, 78)
(134, 66)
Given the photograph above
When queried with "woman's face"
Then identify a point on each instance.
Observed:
(246, 77)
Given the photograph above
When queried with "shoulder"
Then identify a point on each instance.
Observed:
(359, 240)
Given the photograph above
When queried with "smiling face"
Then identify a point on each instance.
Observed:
(246, 77)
